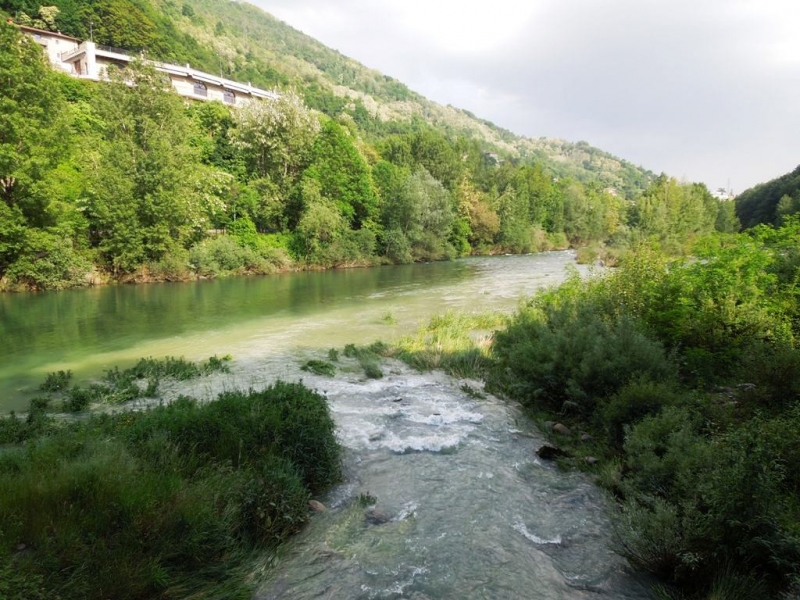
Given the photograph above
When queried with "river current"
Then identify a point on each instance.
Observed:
(454, 502)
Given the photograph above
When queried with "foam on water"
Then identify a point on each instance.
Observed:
(520, 526)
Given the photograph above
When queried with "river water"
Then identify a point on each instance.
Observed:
(463, 508)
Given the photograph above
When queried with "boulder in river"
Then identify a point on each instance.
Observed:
(316, 506)
(548, 452)
(376, 516)
(562, 429)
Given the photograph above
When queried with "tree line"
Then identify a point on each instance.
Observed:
(127, 179)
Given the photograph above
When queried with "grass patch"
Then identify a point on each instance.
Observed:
(319, 367)
(456, 343)
(368, 357)
(123, 385)
(170, 502)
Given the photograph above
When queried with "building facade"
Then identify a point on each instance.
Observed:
(88, 60)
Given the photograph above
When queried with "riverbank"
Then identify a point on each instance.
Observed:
(232, 260)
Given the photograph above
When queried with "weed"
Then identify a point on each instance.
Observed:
(472, 392)
(319, 367)
(367, 499)
(55, 382)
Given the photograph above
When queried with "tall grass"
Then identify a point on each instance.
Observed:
(164, 503)
(457, 343)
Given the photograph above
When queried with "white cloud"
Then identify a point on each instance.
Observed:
(707, 89)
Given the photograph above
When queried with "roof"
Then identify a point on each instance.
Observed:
(56, 34)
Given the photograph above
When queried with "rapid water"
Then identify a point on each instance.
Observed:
(463, 507)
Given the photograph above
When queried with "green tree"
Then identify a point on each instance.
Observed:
(343, 175)
(32, 128)
(143, 201)
(275, 137)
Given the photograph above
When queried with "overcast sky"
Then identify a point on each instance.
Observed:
(704, 90)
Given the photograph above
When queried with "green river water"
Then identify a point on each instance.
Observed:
(89, 330)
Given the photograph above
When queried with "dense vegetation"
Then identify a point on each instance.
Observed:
(244, 43)
(133, 183)
(687, 376)
(169, 502)
(770, 202)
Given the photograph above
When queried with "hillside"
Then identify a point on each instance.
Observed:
(769, 202)
(125, 179)
(250, 38)
(241, 41)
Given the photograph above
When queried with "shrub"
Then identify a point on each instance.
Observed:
(55, 382)
(636, 400)
(319, 367)
(164, 502)
(560, 348)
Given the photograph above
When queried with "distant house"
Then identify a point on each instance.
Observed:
(492, 158)
(88, 60)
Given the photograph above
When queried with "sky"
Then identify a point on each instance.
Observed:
(703, 90)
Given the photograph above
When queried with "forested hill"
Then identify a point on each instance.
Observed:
(770, 202)
(125, 179)
(245, 43)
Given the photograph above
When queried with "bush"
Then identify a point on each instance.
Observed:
(55, 382)
(562, 348)
(165, 502)
(638, 399)
(319, 367)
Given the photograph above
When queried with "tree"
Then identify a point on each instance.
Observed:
(275, 137)
(343, 175)
(420, 218)
(32, 128)
(143, 200)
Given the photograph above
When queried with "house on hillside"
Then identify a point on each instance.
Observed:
(88, 60)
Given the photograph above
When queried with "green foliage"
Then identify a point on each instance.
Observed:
(276, 137)
(765, 202)
(223, 255)
(671, 213)
(698, 440)
(56, 382)
(142, 203)
(561, 348)
(343, 175)
(168, 502)
(319, 367)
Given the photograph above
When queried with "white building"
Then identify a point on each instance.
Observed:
(88, 60)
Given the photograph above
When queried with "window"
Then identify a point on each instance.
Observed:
(229, 97)
(200, 88)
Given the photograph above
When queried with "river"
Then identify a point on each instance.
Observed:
(463, 507)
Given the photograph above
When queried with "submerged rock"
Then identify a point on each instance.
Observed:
(548, 452)
(562, 429)
(376, 516)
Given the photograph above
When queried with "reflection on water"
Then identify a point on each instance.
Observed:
(90, 330)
